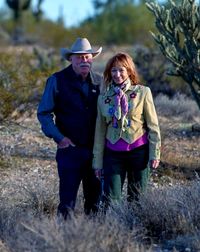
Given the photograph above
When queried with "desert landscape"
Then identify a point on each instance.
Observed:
(163, 38)
(167, 218)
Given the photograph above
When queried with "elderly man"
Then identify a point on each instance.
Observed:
(67, 113)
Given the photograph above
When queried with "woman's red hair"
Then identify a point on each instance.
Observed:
(122, 59)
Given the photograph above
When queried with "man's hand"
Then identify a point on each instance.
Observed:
(65, 142)
(154, 163)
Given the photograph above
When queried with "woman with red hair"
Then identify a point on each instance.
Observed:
(127, 137)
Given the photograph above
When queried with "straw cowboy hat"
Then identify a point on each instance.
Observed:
(81, 45)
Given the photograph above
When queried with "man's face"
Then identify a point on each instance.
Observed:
(81, 63)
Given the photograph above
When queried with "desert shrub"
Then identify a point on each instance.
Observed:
(178, 106)
(28, 222)
(33, 190)
(152, 67)
(26, 225)
(77, 234)
(3, 247)
(21, 79)
(184, 242)
(171, 212)
(28, 200)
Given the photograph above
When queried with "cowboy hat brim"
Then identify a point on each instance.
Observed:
(65, 53)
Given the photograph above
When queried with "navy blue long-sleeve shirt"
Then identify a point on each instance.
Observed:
(45, 111)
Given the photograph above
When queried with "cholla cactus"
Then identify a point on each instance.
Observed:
(18, 6)
(37, 13)
(179, 39)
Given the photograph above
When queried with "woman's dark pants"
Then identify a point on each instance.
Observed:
(118, 165)
(75, 165)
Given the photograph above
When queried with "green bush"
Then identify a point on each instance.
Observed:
(22, 75)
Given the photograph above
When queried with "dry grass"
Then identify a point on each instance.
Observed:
(180, 106)
(171, 214)
(180, 144)
(78, 234)
(166, 216)
(28, 220)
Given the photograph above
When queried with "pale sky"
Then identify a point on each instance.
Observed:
(73, 11)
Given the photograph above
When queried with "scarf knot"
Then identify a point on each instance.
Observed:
(121, 104)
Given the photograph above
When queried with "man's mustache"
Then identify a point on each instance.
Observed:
(85, 65)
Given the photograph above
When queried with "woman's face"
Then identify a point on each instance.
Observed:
(119, 74)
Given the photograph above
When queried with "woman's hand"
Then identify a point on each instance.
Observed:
(154, 163)
(98, 173)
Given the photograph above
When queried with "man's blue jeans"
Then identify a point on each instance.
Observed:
(75, 165)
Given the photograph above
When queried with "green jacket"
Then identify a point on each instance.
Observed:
(142, 118)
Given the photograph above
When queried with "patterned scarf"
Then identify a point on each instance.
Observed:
(121, 104)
